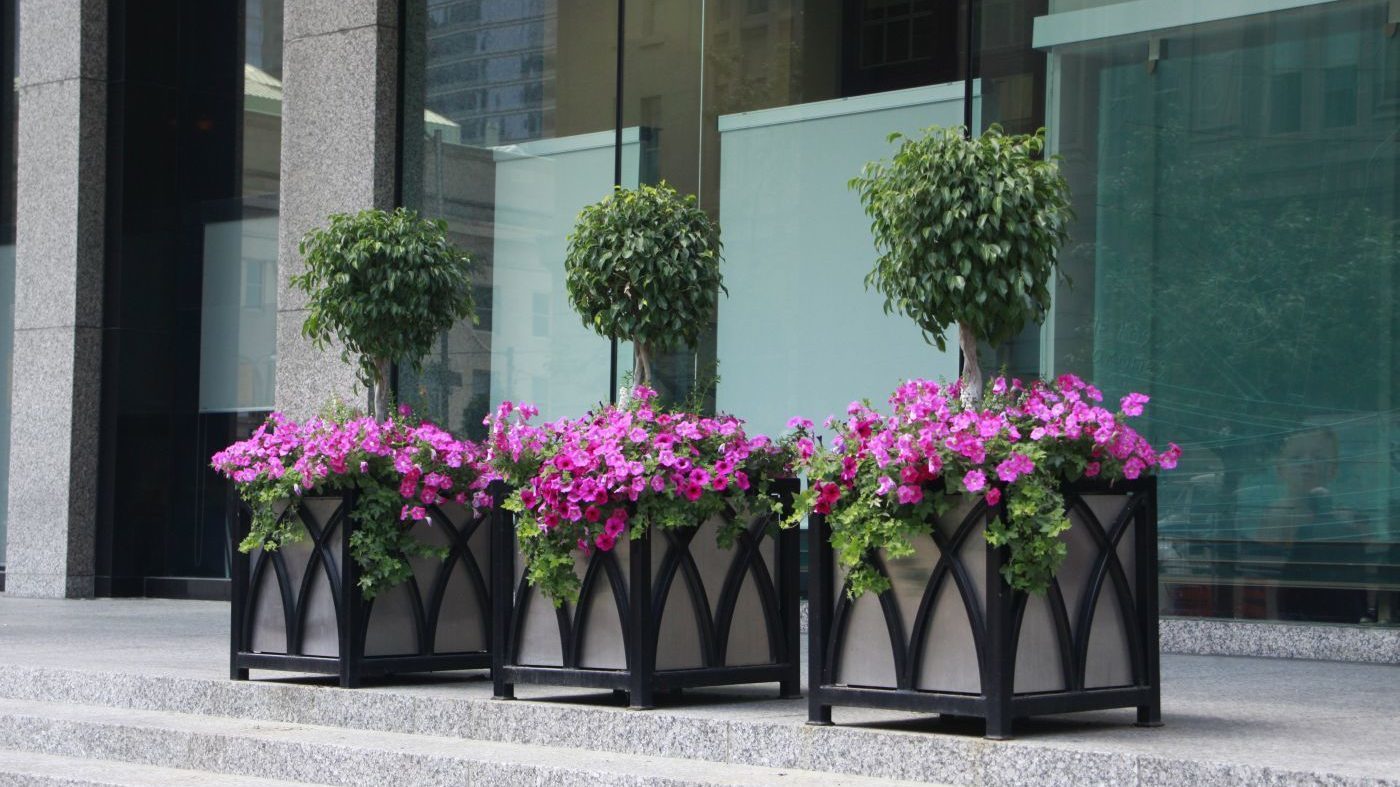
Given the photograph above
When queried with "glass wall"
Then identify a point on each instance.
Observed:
(508, 132)
(195, 103)
(1234, 253)
(238, 248)
(9, 137)
(764, 110)
(1235, 257)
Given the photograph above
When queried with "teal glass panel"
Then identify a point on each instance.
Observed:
(1236, 258)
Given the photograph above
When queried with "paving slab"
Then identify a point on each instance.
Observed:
(1227, 719)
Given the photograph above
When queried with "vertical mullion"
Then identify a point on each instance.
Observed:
(617, 170)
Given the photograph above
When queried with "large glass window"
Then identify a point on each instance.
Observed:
(766, 115)
(1236, 256)
(508, 132)
(195, 101)
(763, 110)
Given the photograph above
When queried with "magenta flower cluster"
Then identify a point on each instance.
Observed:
(882, 479)
(585, 478)
(932, 435)
(426, 463)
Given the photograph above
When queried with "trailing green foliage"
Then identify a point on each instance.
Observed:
(383, 285)
(643, 266)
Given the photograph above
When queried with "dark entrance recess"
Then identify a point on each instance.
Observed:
(175, 101)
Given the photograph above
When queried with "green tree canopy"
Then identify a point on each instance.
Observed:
(643, 265)
(383, 285)
(968, 233)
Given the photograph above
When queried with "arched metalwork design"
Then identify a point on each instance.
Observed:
(327, 626)
(1115, 668)
(706, 593)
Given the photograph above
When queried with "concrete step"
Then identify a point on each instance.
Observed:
(1212, 742)
(31, 769)
(345, 757)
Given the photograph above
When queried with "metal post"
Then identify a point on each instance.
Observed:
(819, 581)
(351, 632)
(502, 593)
(617, 168)
(641, 661)
(1000, 672)
(1150, 714)
(789, 567)
(238, 583)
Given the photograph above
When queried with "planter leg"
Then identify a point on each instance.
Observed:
(818, 715)
(640, 697)
(998, 727)
(502, 690)
(236, 673)
(790, 689)
(1150, 715)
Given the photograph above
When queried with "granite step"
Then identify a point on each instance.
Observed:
(257, 749)
(31, 769)
(747, 728)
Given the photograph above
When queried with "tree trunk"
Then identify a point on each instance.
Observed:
(641, 365)
(383, 369)
(972, 368)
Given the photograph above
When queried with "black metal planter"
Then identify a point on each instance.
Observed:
(951, 637)
(299, 608)
(708, 616)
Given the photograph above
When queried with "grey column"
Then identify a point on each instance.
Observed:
(58, 297)
(340, 103)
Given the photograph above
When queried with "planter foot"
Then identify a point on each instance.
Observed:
(238, 674)
(1149, 715)
(811, 723)
(789, 690)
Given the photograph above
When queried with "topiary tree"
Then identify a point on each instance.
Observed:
(969, 232)
(383, 285)
(643, 266)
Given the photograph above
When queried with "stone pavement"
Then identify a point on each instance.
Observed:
(1228, 720)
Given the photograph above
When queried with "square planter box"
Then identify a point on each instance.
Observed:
(706, 617)
(951, 637)
(299, 608)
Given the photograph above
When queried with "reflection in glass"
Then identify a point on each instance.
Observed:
(238, 305)
(508, 134)
(765, 113)
(1235, 257)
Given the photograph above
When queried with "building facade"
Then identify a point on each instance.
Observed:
(1234, 167)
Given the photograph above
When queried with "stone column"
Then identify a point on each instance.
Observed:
(58, 297)
(339, 112)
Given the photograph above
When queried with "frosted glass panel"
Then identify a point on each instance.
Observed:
(798, 332)
(540, 350)
(238, 342)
